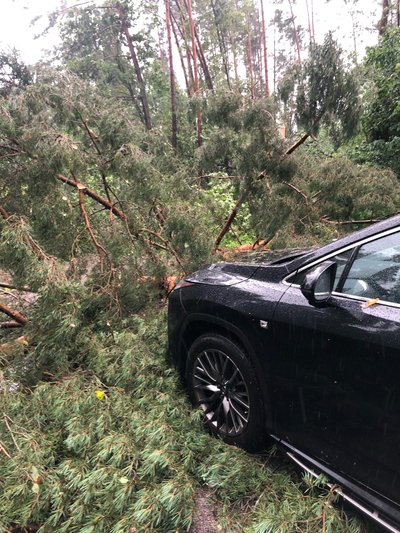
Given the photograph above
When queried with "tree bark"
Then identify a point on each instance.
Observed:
(174, 27)
(235, 62)
(264, 37)
(229, 221)
(189, 54)
(222, 46)
(382, 25)
(11, 324)
(310, 25)
(15, 315)
(250, 62)
(298, 143)
(142, 88)
(174, 121)
(295, 33)
(203, 62)
(195, 72)
(3, 213)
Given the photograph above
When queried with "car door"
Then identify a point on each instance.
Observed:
(336, 376)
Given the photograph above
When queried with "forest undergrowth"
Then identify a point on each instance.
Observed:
(97, 435)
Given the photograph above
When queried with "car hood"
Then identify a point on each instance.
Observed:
(265, 263)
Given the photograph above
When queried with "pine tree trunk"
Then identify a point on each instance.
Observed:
(384, 17)
(174, 122)
(265, 50)
(181, 58)
(295, 33)
(203, 62)
(138, 72)
(250, 71)
(195, 72)
(189, 54)
(310, 27)
(235, 62)
(221, 45)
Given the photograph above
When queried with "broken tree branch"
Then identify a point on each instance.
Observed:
(88, 192)
(298, 143)
(100, 249)
(4, 214)
(229, 220)
(349, 222)
(301, 193)
(15, 315)
(15, 288)
(9, 325)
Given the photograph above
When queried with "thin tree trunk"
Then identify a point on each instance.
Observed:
(199, 50)
(382, 25)
(138, 72)
(312, 19)
(264, 36)
(235, 63)
(203, 62)
(175, 27)
(222, 46)
(189, 54)
(174, 122)
(250, 62)
(195, 72)
(295, 33)
(274, 65)
(310, 28)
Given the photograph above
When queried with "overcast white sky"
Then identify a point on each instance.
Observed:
(16, 16)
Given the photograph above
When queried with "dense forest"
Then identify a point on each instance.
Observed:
(157, 137)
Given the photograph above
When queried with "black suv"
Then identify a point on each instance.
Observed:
(304, 350)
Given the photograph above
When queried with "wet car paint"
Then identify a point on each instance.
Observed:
(329, 375)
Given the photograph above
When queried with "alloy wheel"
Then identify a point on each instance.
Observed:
(221, 392)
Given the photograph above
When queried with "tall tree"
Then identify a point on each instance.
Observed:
(195, 70)
(129, 41)
(174, 123)
(383, 22)
(296, 37)
(265, 50)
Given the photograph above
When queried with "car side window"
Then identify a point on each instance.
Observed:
(339, 259)
(375, 272)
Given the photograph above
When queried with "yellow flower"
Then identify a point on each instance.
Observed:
(100, 395)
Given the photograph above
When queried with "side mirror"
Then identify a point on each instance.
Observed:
(319, 282)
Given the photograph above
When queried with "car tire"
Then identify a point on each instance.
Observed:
(223, 382)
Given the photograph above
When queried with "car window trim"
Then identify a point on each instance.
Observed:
(347, 268)
(355, 245)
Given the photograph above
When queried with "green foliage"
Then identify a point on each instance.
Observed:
(305, 210)
(221, 192)
(327, 92)
(380, 153)
(382, 117)
(14, 74)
